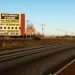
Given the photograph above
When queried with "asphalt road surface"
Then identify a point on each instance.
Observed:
(47, 64)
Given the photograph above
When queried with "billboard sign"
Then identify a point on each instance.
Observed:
(9, 16)
(10, 22)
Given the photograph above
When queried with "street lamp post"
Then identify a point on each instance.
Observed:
(26, 26)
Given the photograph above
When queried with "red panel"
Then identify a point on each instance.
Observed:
(22, 24)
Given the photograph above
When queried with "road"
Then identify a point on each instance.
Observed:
(36, 61)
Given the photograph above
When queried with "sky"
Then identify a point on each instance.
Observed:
(58, 16)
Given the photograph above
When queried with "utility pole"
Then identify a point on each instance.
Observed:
(71, 34)
(63, 31)
(42, 28)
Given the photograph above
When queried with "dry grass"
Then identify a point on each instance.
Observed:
(19, 43)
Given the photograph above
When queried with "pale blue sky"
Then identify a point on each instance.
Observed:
(55, 14)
